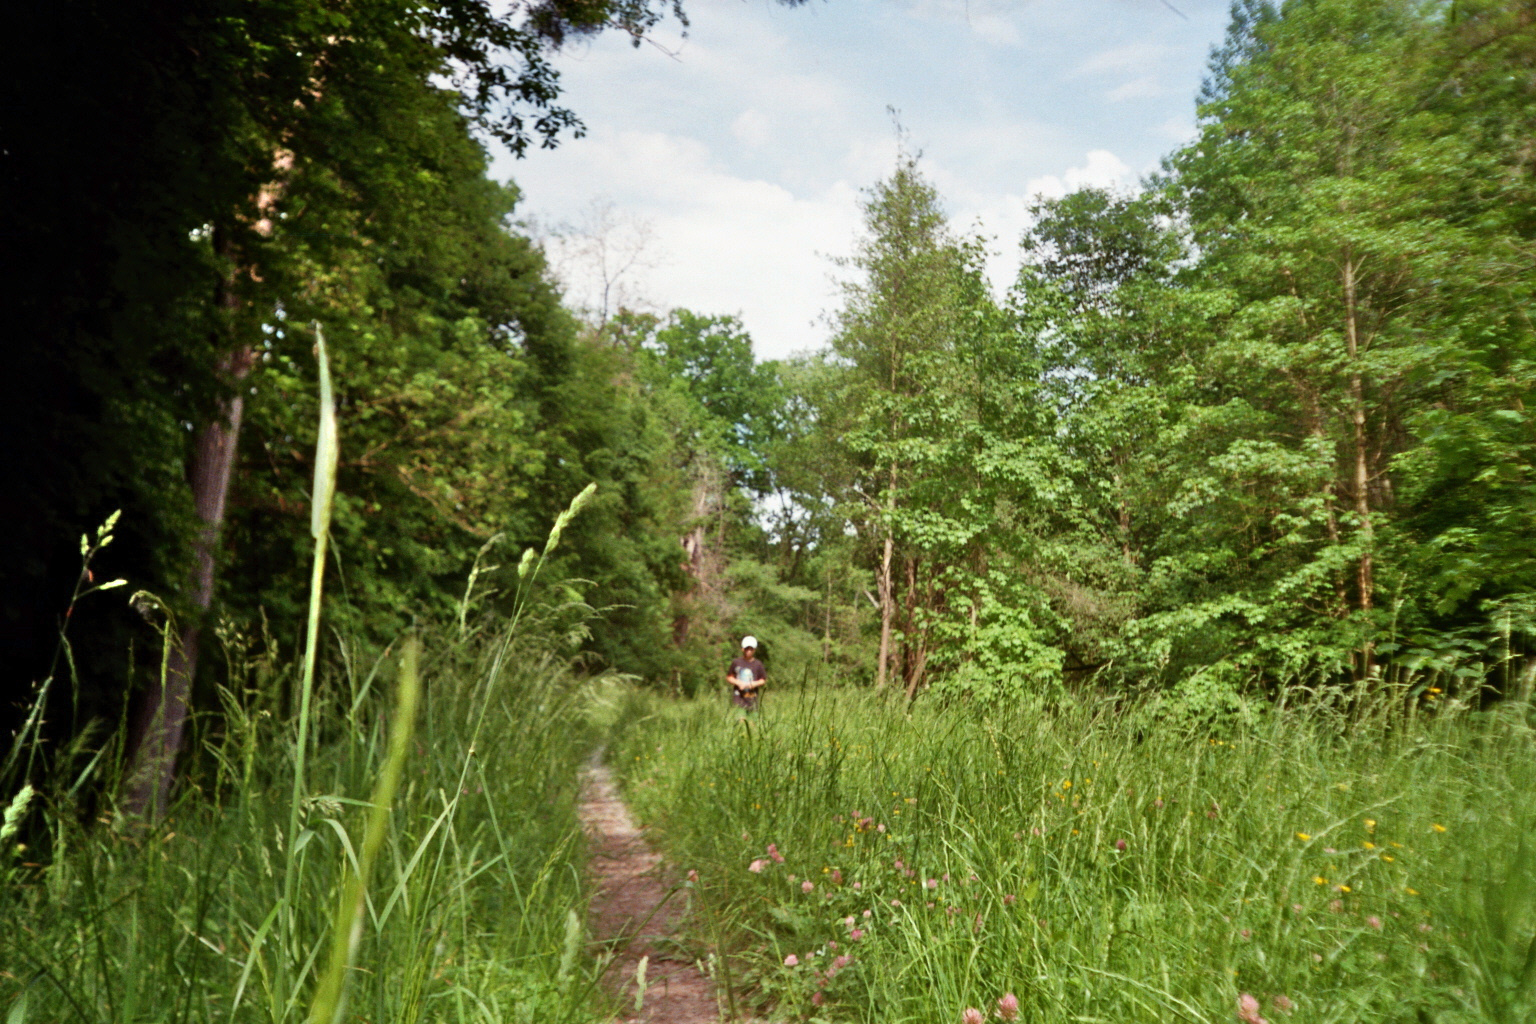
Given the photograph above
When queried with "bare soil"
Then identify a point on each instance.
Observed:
(633, 912)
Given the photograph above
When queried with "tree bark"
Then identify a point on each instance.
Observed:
(1365, 577)
(884, 585)
(887, 610)
(162, 714)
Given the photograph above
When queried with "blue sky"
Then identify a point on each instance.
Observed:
(733, 159)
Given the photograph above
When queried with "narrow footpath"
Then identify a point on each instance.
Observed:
(632, 912)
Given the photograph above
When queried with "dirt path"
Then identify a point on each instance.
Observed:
(630, 909)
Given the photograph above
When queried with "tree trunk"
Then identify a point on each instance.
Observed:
(1362, 471)
(162, 714)
(914, 650)
(887, 610)
(885, 587)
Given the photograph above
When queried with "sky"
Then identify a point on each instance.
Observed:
(722, 171)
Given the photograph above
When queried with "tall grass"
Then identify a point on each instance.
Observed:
(466, 919)
(1099, 867)
(419, 864)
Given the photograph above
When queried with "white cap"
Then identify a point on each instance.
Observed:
(748, 641)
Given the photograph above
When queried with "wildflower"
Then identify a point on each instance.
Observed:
(972, 1016)
(757, 866)
(895, 903)
(1343, 889)
(832, 945)
(837, 877)
(693, 875)
(792, 879)
(1388, 858)
(1246, 933)
(1336, 906)
(1035, 831)
(899, 865)
(856, 934)
(857, 886)
(1426, 927)
(807, 885)
(1329, 849)
(1317, 958)
(1438, 828)
(817, 998)
(933, 883)
(1319, 879)
(946, 876)
(841, 962)
(1066, 784)
(1008, 1006)
(880, 827)
(1158, 804)
(791, 961)
(1248, 1010)
(1410, 890)
(1374, 922)
(1009, 899)
(774, 854)
(1303, 837)
(1296, 907)
(1370, 824)
(1120, 844)
(1368, 845)
(869, 914)
(1282, 1003)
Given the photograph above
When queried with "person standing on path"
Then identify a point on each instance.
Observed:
(747, 675)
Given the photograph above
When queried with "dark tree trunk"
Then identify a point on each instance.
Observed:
(162, 713)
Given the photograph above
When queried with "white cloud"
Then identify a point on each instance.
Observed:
(1145, 87)
(1132, 57)
(722, 243)
(1102, 170)
(751, 128)
(994, 22)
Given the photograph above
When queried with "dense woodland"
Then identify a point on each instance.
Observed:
(1259, 425)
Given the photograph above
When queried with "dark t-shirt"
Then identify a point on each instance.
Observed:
(753, 664)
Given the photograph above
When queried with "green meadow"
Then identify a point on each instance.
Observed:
(865, 862)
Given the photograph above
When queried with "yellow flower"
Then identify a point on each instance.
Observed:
(1410, 890)
(1074, 832)
(1066, 784)
(1370, 824)
(1345, 888)
(1438, 828)
(1303, 837)
(1369, 845)
(1388, 858)
(1319, 879)
(1435, 689)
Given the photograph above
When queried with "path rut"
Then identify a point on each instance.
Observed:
(630, 909)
